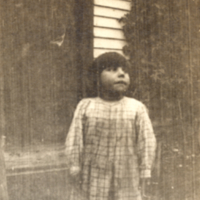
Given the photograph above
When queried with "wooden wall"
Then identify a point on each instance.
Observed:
(38, 70)
(108, 34)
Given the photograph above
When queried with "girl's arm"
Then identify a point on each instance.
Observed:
(146, 143)
(74, 140)
(146, 146)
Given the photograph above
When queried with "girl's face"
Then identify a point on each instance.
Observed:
(114, 81)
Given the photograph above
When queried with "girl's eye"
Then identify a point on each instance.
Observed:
(125, 70)
(110, 69)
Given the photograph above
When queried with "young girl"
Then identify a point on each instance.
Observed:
(111, 144)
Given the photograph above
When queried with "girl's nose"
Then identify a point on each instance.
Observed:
(120, 71)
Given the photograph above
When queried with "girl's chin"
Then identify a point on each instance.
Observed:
(120, 91)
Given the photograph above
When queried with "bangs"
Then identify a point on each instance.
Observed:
(111, 59)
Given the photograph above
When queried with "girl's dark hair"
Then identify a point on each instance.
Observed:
(110, 59)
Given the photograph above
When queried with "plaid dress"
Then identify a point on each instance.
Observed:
(114, 144)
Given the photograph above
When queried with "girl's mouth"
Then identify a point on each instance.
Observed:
(121, 82)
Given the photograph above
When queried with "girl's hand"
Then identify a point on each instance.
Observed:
(74, 170)
(144, 184)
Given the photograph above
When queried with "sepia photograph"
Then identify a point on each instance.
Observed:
(99, 100)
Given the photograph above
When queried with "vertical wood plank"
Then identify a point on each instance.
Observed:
(39, 71)
(3, 181)
(84, 35)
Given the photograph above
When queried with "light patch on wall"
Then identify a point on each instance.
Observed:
(59, 41)
(25, 49)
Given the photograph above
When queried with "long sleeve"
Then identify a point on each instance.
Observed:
(146, 143)
(74, 140)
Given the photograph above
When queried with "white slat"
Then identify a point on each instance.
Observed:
(108, 33)
(114, 4)
(107, 43)
(106, 22)
(109, 12)
(98, 52)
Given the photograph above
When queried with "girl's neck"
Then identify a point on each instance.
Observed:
(111, 97)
